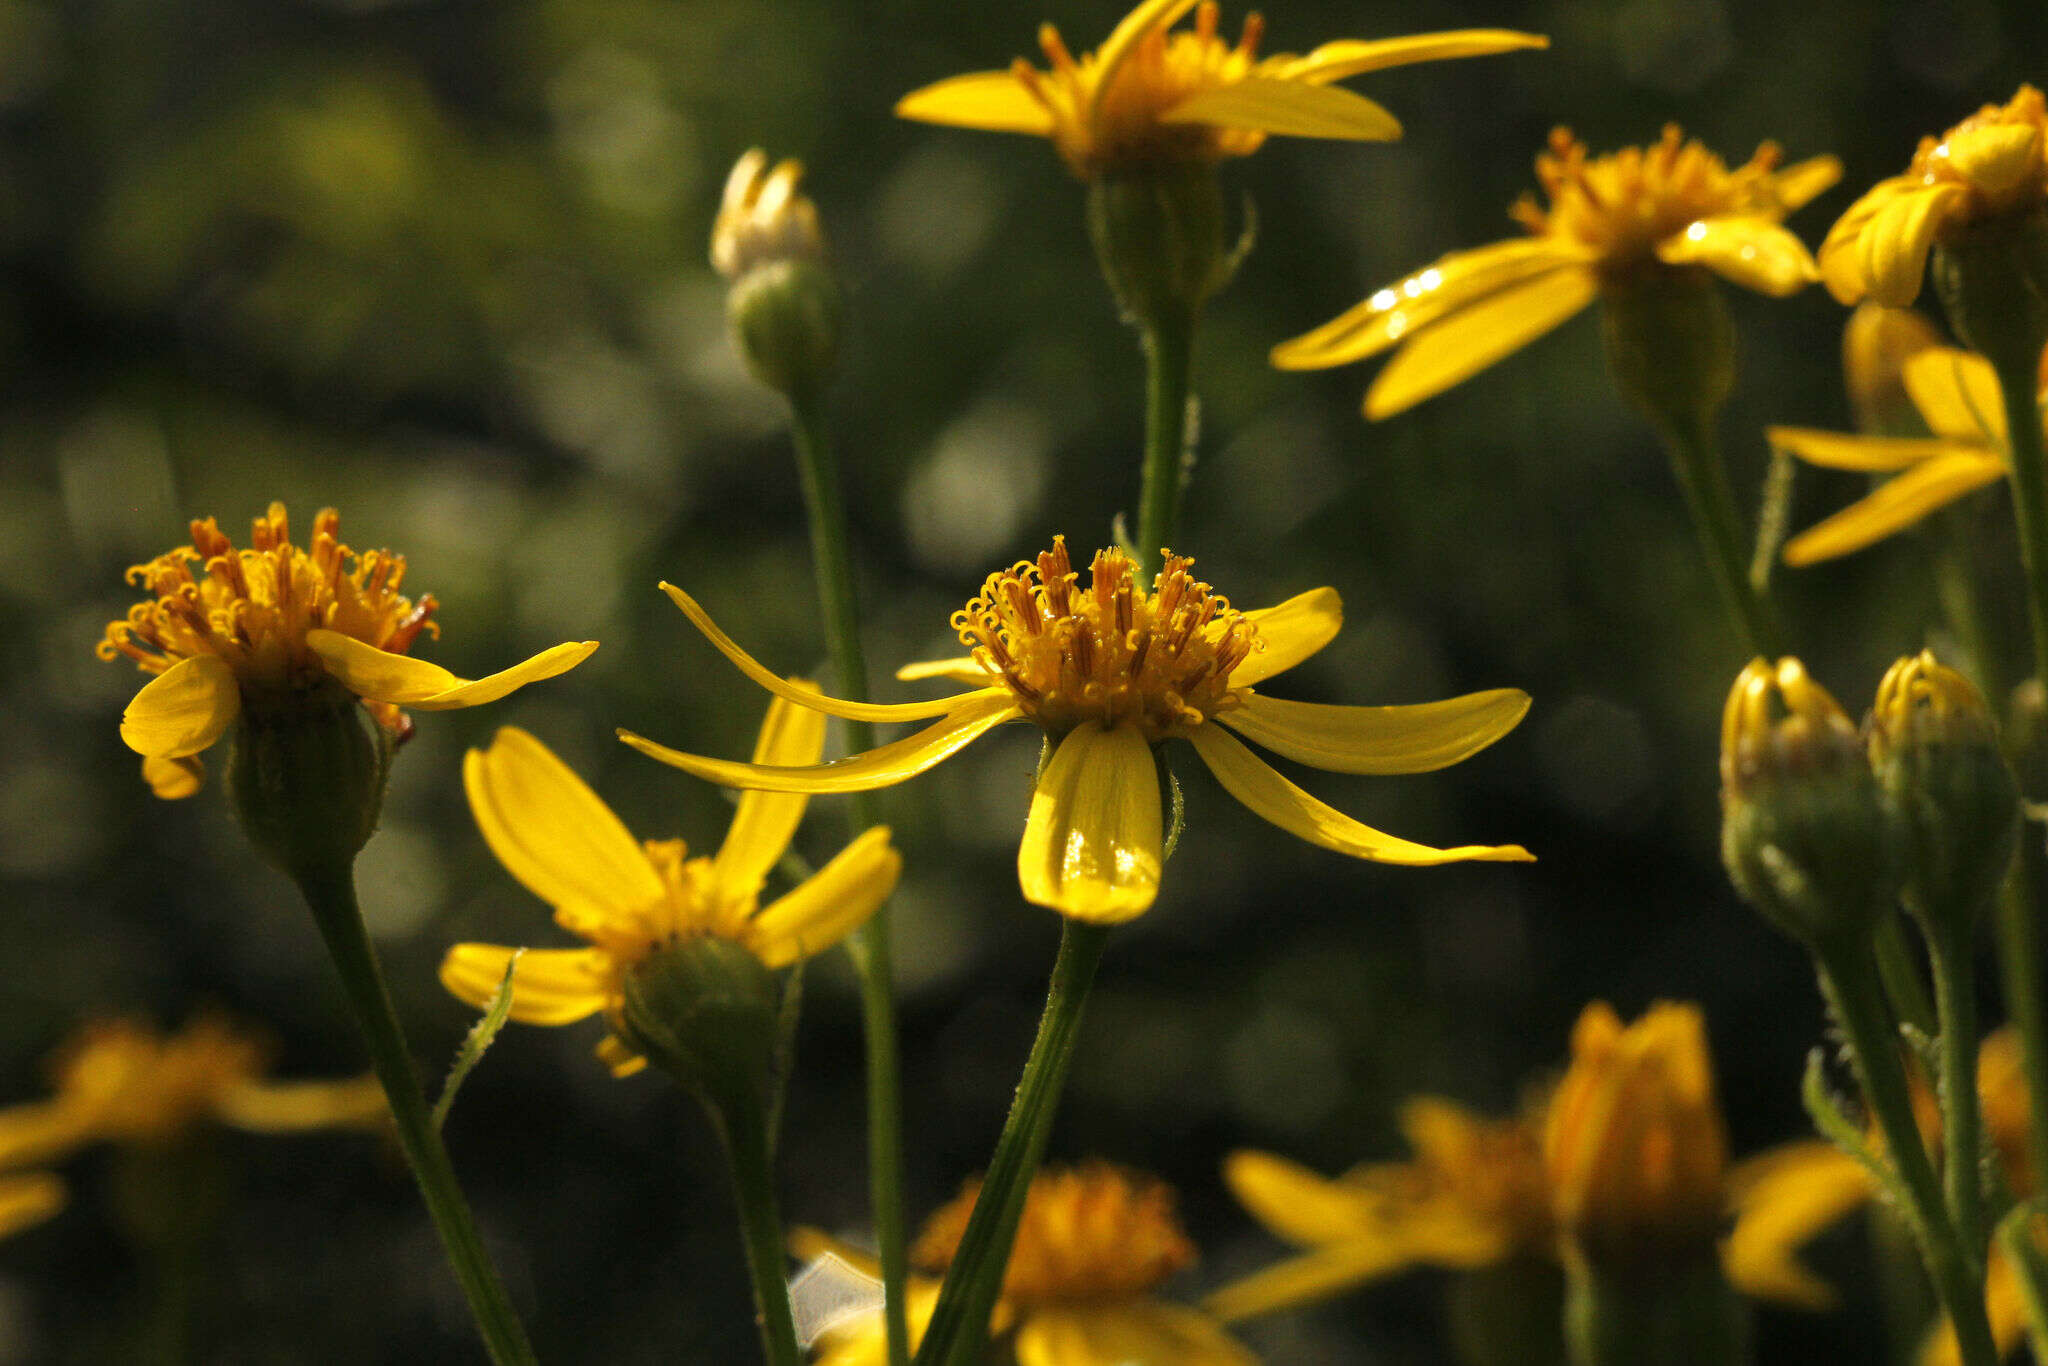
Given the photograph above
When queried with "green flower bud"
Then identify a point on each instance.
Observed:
(307, 775)
(784, 302)
(704, 1009)
(1159, 237)
(1992, 277)
(1670, 345)
(2026, 736)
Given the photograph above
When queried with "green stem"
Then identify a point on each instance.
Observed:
(1674, 1316)
(1850, 984)
(1899, 970)
(1955, 991)
(1169, 360)
(2019, 961)
(959, 1326)
(331, 893)
(1696, 460)
(2028, 471)
(2019, 1236)
(744, 1128)
(869, 947)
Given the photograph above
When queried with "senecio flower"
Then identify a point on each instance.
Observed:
(763, 218)
(1109, 671)
(262, 625)
(1993, 164)
(631, 899)
(1148, 97)
(1670, 205)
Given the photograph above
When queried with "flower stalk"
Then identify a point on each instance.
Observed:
(1169, 361)
(1687, 1316)
(750, 1157)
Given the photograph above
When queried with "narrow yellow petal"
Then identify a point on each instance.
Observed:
(44, 1131)
(765, 822)
(182, 710)
(382, 676)
(1895, 505)
(1289, 108)
(1298, 1282)
(1473, 338)
(1290, 632)
(1123, 40)
(1870, 454)
(549, 987)
(1899, 237)
(1349, 57)
(829, 905)
(552, 832)
(1299, 1205)
(960, 669)
(616, 1054)
(1841, 251)
(174, 779)
(879, 767)
(27, 1200)
(1782, 1199)
(1092, 842)
(1746, 250)
(1958, 396)
(1804, 181)
(298, 1106)
(1127, 1333)
(1410, 739)
(992, 101)
(1252, 781)
(812, 698)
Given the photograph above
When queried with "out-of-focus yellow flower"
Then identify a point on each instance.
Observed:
(631, 900)
(1673, 205)
(28, 1200)
(1109, 671)
(763, 217)
(1149, 98)
(1990, 165)
(1877, 341)
(261, 625)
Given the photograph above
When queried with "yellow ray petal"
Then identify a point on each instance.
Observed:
(27, 1200)
(1252, 781)
(297, 1106)
(1123, 40)
(1957, 395)
(43, 1131)
(1410, 739)
(553, 833)
(1893, 506)
(991, 101)
(829, 905)
(1302, 1206)
(549, 987)
(1313, 1277)
(1127, 1333)
(384, 677)
(183, 709)
(1290, 632)
(1782, 1199)
(1091, 847)
(1746, 250)
(1899, 236)
(782, 687)
(879, 767)
(1841, 251)
(1873, 454)
(1473, 338)
(1289, 108)
(174, 779)
(1388, 315)
(2004, 1304)
(1804, 181)
(1349, 57)
(761, 829)
(960, 669)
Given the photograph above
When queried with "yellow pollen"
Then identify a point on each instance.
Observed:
(1110, 653)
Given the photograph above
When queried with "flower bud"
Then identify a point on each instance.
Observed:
(1670, 345)
(1159, 237)
(1876, 344)
(307, 775)
(1804, 831)
(1934, 749)
(704, 1009)
(783, 305)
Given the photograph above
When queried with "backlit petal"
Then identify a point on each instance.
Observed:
(1409, 739)
(1847, 451)
(382, 676)
(1804, 181)
(173, 779)
(298, 1106)
(1841, 251)
(1473, 338)
(1958, 396)
(1127, 1333)
(1291, 108)
(1252, 781)
(1092, 842)
(1896, 242)
(1349, 57)
(28, 1200)
(44, 1131)
(1781, 1200)
(1753, 252)
(1123, 40)
(549, 987)
(765, 822)
(829, 905)
(1893, 506)
(182, 710)
(1299, 1205)
(992, 101)
(1290, 632)
(1315, 1276)
(960, 669)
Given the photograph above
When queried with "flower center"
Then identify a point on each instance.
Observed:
(1110, 653)
(695, 905)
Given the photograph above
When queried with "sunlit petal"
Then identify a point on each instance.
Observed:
(960, 669)
(1804, 181)
(1896, 243)
(1473, 338)
(1300, 1205)
(400, 679)
(1354, 57)
(1841, 252)
(992, 101)
(1406, 739)
(829, 905)
(1958, 396)
(1871, 454)
(549, 987)
(1291, 108)
(1756, 253)
(1893, 506)
(762, 827)
(1290, 632)
(1092, 841)
(182, 710)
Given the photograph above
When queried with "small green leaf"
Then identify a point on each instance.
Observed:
(478, 1039)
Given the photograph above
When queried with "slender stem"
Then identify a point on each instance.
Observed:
(1955, 991)
(1899, 970)
(1696, 460)
(744, 1128)
(869, 946)
(1850, 984)
(959, 1326)
(2019, 961)
(2019, 1237)
(331, 893)
(2028, 470)
(1169, 360)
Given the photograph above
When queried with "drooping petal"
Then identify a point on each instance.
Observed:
(404, 681)
(298, 1106)
(44, 1131)
(1349, 57)
(1290, 632)
(549, 987)
(1847, 451)
(1252, 781)
(1473, 338)
(1407, 739)
(617, 1055)
(1127, 1333)
(1092, 843)
(1302, 1206)
(831, 904)
(782, 687)
(1893, 506)
(765, 822)
(1958, 396)
(992, 101)
(1803, 181)
(1898, 239)
(960, 669)
(1123, 40)
(1746, 250)
(1781, 1200)
(1388, 315)
(182, 710)
(1300, 1281)
(27, 1200)
(1289, 108)
(174, 779)
(1841, 251)
(553, 833)
(879, 767)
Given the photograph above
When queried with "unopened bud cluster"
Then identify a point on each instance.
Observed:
(784, 301)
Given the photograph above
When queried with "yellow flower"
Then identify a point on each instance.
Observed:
(1956, 393)
(631, 899)
(272, 621)
(1611, 219)
(763, 218)
(1148, 98)
(1992, 164)
(1109, 671)
(26, 1201)
(1876, 344)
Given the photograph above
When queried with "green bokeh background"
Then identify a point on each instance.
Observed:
(441, 265)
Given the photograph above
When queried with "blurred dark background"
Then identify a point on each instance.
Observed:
(442, 265)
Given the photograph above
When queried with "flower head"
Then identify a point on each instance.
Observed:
(1149, 97)
(632, 900)
(1108, 670)
(27, 1200)
(1611, 220)
(763, 217)
(1993, 164)
(273, 623)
